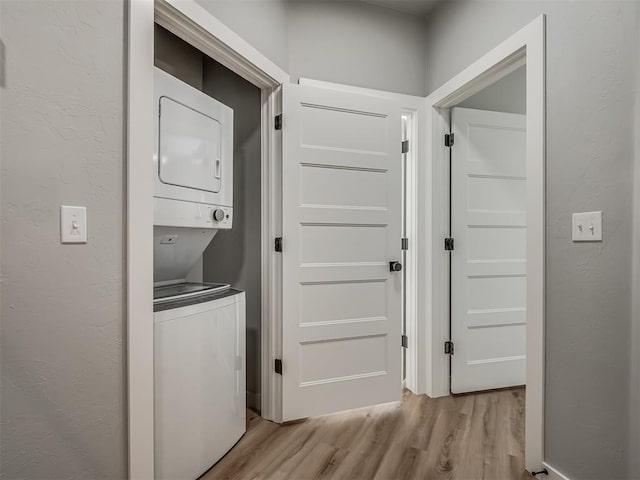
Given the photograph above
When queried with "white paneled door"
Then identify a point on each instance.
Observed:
(341, 197)
(488, 263)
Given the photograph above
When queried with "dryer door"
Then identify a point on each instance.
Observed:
(193, 155)
(189, 147)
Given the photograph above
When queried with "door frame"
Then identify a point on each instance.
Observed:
(527, 46)
(415, 108)
(195, 25)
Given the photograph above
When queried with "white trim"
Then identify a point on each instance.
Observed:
(499, 70)
(195, 25)
(554, 474)
(527, 45)
(433, 259)
(416, 142)
(271, 220)
(415, 107)
(139, 239)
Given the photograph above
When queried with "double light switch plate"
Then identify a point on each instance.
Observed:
(587, 227)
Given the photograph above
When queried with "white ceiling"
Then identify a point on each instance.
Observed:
(415, 7)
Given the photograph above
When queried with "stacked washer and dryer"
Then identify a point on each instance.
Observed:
(199, 328)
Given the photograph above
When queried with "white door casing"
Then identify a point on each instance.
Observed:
(341, 200)
(488, 264)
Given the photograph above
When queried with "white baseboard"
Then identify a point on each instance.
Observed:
(554, 474)
(254, 401)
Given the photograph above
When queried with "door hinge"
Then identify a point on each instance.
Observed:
(405, 341)
(278, 366)
(278, 244)
(279, 121)
(405, 146)
(405, 244)
(448, 139)
(448, 244)
(448, 348)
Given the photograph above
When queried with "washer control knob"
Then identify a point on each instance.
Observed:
(218, 214)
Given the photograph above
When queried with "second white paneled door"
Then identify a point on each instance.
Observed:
(341, 229)
(488, 263)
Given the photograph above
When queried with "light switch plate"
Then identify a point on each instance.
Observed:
(587, 227)
(73, 224)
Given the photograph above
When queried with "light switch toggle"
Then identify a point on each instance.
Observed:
(73, 224)
(587, 227)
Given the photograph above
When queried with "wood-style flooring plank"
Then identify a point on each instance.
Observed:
(465, 437)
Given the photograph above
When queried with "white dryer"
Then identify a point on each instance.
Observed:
(193, 184)
(193, 157)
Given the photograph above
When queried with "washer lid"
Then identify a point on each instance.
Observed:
(184, 290)
(189, 147)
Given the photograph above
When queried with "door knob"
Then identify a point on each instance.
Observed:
(395, 266)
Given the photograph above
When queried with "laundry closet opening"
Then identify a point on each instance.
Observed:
(207, 256)
(233, 256)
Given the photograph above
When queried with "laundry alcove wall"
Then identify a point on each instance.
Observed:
(234, 256)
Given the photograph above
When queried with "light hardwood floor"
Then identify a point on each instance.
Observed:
(478, 436)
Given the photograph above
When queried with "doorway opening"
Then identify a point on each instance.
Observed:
(487, 228)
(199, 29)
(525, 47)
(234, 255)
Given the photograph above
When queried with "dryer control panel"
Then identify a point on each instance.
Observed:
(170, 213)
(221, 217)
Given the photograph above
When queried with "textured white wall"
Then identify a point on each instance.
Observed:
(62, 352)
(262, 23)
(348, 42)
(357, 44)
(591, 57)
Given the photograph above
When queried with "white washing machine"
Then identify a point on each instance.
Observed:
(199, 377)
